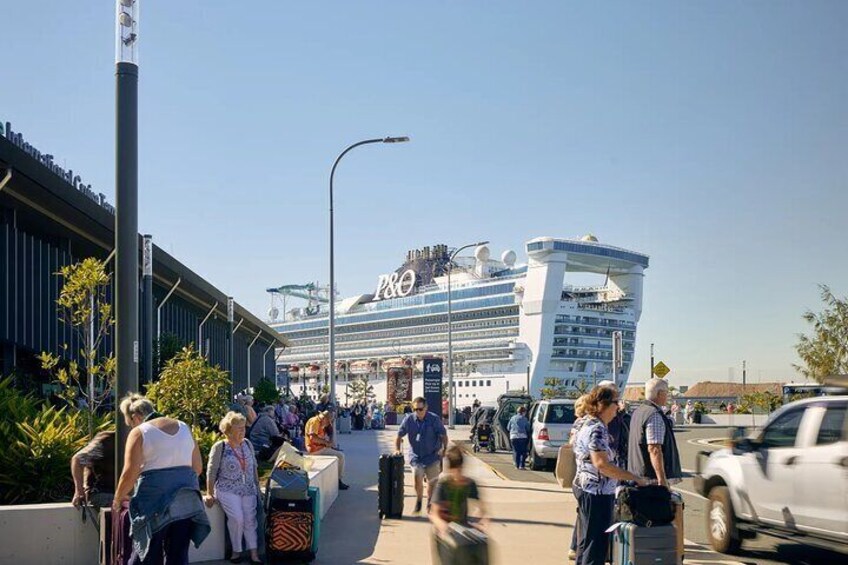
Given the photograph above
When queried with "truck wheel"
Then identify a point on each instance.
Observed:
(721, 522)
(536, 462)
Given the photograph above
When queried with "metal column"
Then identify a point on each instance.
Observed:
(147, 309)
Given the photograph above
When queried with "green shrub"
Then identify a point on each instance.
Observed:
(35, 464)
(190, 389)
(205, 440)
(266, 392)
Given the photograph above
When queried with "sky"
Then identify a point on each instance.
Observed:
(710, 135)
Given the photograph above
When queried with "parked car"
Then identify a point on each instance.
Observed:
(789, 480)
(552, 421)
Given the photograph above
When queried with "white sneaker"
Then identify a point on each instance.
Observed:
(572, 555)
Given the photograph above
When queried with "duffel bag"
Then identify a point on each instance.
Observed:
(644, 506)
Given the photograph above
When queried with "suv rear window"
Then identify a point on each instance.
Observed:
(559, 414)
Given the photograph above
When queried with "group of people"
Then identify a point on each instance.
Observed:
(611, 447)
(159, 483)
(363, 414)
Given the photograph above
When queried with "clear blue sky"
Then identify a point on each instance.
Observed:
(711, 135)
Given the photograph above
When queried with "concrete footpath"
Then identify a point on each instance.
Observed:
(531, 521)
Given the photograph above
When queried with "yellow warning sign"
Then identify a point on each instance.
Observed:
(661, 370)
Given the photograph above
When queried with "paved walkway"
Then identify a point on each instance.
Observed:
(531, 521)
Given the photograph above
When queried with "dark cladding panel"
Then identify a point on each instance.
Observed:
(5, 270)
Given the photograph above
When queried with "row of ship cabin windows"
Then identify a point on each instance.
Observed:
(461, 384)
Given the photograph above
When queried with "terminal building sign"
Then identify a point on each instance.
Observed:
(46, 159)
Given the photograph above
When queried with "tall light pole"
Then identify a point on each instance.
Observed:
(126, 213)
(651, 374)
(332, 305)
(451, 391)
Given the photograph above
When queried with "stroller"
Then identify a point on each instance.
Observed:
(481, 437)
(482, 433)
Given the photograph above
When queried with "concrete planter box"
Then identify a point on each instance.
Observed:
(54, 534)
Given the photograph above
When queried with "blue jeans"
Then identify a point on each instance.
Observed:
(168, 546)
(519, 451)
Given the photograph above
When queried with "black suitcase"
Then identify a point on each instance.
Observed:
(289, 531)
(390, 486)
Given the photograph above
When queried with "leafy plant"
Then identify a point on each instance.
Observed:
(205, 440)
(84, 307)
(266, 392)
(824, 353)
(34, 466)
(700, 408)
(190, 389)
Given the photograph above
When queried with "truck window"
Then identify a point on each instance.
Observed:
(782, 432)
(560, 414)
(832, 426)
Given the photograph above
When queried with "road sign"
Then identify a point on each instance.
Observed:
(661, 370)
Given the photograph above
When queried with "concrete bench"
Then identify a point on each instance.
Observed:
(55, 533)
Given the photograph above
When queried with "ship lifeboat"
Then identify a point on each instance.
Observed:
(294, 370)
(313, 370)
(361, 367)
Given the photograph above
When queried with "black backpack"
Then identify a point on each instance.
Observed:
(645, 506)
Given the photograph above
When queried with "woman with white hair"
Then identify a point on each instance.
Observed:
(163, 462)
(232, 479)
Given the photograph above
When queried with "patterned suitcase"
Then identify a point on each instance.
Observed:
(640, 545)
(289, 531)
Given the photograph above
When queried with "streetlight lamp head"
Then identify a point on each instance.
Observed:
(402, 139)
(482, 243)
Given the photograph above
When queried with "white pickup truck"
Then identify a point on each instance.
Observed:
(790, 479)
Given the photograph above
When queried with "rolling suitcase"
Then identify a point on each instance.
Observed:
(679, 507)
(462, 546)
(315, 497)
(390, 486)
(289, 531)
(640, 545)
(344, 424)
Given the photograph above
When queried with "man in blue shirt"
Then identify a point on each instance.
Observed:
(428, 440)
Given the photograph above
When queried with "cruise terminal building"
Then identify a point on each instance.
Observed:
(50, 218)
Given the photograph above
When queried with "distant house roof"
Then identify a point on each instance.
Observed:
(709, 389)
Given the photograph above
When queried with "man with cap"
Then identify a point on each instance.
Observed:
(318, 442)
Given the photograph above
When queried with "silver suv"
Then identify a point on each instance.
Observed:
(552, 421)
(790, 479)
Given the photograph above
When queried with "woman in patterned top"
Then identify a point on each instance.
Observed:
(597, 476)
(233, 481)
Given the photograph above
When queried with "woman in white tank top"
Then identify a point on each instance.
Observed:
(162, 461)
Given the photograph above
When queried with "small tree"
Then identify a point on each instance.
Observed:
(266, 392)
(190, 389)
(83, 306)
(359, 390)
(825, 352)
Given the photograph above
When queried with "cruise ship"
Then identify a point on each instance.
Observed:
(515, 326)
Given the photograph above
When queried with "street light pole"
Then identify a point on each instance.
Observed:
(451, 391)
(332, 305)
(126, 214)
(651, 374)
